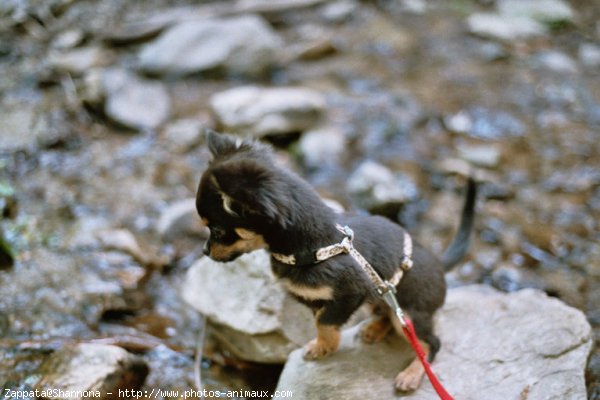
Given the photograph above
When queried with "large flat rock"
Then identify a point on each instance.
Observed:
(248, 311)
(494, 346)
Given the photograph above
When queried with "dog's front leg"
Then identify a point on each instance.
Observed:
(329, 320)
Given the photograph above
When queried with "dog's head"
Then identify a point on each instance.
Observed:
(239, 197)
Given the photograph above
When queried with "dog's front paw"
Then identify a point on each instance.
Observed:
(410, 379)
(316, 350)
(375, 331)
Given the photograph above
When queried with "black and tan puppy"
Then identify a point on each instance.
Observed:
(249, 203)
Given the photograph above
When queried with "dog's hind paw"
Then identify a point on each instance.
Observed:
(376, 330)
(410, 378)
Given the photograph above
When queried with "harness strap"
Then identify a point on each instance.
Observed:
(387, 290)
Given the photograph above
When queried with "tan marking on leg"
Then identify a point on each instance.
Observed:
(376, 330)
(410, 378)
(326, 342)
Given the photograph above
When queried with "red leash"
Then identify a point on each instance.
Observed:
(409, 332)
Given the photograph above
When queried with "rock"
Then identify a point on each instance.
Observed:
(460, 122)
(251, 315)
(68, 39)
(130, 101)
(589, 54)
(503, 27)
(268, 111)
(180, 218)
(322, 147)
(184, 134)
(480, 155)
(546, 11)
(121, 240)
(139, 104)
(574, 180)
(509, 278)
(418, 7)
(556, 61)
(377, 188)
(524, 342)
(91, 367)
(517, 19)
(244, 45)
(78, 61)
(339, 10)
(59, 295)
(27, 126)
(315, 49)
(134, 32)
(169, 369)
(483, 123)
(124, 241)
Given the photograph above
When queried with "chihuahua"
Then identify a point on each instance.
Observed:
(249, 202)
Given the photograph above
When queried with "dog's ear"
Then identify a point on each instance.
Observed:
(220, 144)
(249, 188)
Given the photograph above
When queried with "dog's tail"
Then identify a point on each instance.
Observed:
(458, 248)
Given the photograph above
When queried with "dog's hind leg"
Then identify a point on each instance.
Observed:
(410, 378)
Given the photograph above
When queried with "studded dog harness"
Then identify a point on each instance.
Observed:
(385, 288)
(346, 246)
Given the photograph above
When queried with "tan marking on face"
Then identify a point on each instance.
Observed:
(227, 200)
(204, 221)
(308, 292)
(222, 252)
(326, 342)
(246, 234)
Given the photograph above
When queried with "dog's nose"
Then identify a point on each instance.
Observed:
(205, 249)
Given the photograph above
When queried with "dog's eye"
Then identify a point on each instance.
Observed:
(216, 232)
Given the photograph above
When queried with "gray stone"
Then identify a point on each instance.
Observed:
(589, 54)
(376, 186)
(68, 39)
(130, 101)
(494, 345)
(547, 11)
(249, 312)
(340, 10)
(556, 61)
(460, 122)
(183, 134)
(483, 123)
(58, 295)
(322, 147)
(180, 218)
(241, 45)
(481, 155)
(90, 367)
(78, 61)
(504, 27)
(27, 126)
(268, 111)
